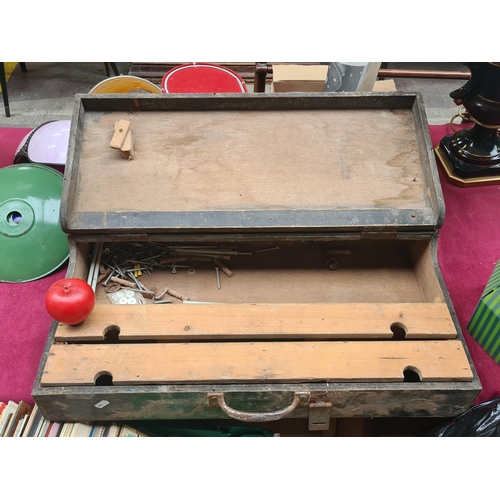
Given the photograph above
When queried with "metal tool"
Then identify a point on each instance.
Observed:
(217, 277)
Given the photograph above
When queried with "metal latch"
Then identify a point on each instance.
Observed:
(319, 416)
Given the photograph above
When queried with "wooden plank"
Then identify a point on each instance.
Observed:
(175, 322)
(423, 73)
(200, 161)
(424, 262)
(255, 362)
(122, 128)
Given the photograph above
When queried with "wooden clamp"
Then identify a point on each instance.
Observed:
(122, 139)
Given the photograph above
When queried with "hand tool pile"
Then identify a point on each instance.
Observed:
(118, 267)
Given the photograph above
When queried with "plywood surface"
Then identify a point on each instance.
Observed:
(247, 362)
(252, 160)
(287, 285)
(184, 322)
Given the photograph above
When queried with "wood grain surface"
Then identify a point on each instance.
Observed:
(256, 362)
(185, 322)
(253, 160)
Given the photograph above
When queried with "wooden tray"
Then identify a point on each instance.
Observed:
(252, 163)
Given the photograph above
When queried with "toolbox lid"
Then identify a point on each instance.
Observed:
(251, 163)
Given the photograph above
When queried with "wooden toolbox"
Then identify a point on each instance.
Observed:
(321, 214)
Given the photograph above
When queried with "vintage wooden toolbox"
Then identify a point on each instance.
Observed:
(323, 210)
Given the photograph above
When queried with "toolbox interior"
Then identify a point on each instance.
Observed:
(282, 272)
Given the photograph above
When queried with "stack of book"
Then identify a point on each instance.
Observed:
(23, 420)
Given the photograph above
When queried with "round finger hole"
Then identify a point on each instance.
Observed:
(399, 330)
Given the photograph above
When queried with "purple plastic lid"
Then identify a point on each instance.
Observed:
(49, 144)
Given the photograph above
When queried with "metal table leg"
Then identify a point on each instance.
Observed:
(3, 83)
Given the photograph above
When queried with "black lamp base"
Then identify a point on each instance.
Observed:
(464, 174)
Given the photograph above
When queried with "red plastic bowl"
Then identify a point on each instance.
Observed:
(202, 78)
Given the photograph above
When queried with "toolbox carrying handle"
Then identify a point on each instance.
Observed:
(217, 399)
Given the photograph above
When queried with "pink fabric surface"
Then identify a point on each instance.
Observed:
(25, 323)
(10, 138)
(468, 249)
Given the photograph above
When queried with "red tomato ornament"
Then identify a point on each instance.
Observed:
(70, 301)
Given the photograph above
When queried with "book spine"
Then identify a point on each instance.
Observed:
(55, 429)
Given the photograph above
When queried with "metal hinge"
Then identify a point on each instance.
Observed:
(379, 234)
(128, 237)
(112, 237)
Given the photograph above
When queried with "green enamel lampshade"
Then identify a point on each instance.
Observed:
(32, 243)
